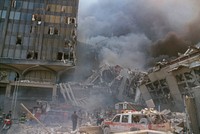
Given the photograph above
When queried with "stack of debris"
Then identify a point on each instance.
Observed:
(114, 80)
(37, 129)
(178, 120)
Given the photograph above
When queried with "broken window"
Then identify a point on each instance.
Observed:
(70, 20)
(73, 34)
(35, 55)
(63, 9)
(32, 55)
(19, 40)
(67, 20)
(48, 8)
(71, 56)
(55, 31)
(59, 55)
(37, 17)
(66, 44)
(66, 56)
(14, 3)
(51, 30)
(73, 20)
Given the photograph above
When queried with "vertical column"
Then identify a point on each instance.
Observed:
(8, 89)
(54, 94)
(41, 34)
(147, 97)
(173, 86)
(191, 109)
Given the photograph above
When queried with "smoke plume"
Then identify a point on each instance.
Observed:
(130, 32)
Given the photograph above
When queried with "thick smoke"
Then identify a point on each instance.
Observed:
(131, 32)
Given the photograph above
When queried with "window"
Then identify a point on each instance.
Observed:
(25, 5)
(73, 33)
(14, 2)
(66, 56)
(125, 118)
(70, 20)
(67, 44)
(51, 30)
(17, 15)
(73, 20)
(48, 8)
(11, 15)
(3, 16)
(55, 31)
(19, 40)
(63, 9)
(6, 3)
(37, 17)
(30, 5)
(135, 118)
(117, 118)
(59, 55)
(32, 55)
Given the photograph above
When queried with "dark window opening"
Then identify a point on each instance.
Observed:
(48, 8)
(55, 31)
(71, 56)
(59, 55)
(73, 20)
(19, 40)
(16, 77)
(66, 56)
(66, 44)
(37, 17)
(35, 55)
(32, 55)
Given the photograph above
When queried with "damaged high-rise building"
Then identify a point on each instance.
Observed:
(37, 44)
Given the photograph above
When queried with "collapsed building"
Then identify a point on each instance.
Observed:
(106, 85)
(175, 85)
(38, 43)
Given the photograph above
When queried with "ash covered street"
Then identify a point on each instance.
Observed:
(99, 67)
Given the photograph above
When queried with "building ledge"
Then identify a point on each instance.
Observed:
(23, 64)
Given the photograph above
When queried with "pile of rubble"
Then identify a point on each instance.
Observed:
(116, 81)
(178, 120)
(38, 129)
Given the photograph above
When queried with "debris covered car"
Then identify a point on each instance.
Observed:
(136, 120)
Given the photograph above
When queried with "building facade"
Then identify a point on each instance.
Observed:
(37, 44)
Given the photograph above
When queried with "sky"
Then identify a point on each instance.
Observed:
(135, 33)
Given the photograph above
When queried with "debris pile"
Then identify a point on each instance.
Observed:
(120, 83)
(37, 129)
